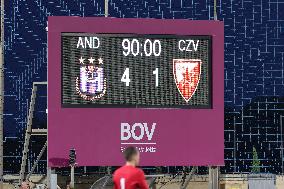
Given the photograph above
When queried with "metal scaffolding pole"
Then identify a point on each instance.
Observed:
(1, 92)
(30, 131)
(281, 129)
(214, 172)
(37, 160)
(72, 182)
(214, 176)
(28, 135)
(106, 8)
(215, 9)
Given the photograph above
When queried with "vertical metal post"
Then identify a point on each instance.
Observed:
(1, 92)
(72, 176)
(50, 178)
(53, 181)
(48, 169)
(235, 153)
(214, 178)
(281, 131)
(215, 10)
(106, 8)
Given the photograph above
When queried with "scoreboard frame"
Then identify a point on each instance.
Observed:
(165, 136)
(147, 36)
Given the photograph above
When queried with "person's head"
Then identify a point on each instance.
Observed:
(25, 185)
(131, 155)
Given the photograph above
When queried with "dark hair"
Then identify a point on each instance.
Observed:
(129, 152)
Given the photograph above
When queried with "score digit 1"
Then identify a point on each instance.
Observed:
(156, 73)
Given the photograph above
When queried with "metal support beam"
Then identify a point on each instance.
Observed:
(215, 9)
(50, 172)
(28, 135)
(281, 131)
(39, 132)
(37, 160)
(106, 8)
(72, 176)
(40, 83)
(1, 91)
(214, 178)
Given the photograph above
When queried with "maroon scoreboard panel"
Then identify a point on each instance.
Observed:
(155, 84)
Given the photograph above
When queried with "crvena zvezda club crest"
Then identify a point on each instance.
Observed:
(187, 75)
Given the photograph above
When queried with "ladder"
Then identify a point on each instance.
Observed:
(29, 132)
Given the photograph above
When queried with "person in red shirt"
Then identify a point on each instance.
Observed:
(129, 176)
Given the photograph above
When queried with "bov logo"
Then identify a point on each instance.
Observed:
(137, 131)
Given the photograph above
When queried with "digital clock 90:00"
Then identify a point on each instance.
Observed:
(135, 47)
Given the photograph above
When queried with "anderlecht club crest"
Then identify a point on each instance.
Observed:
(91, 84)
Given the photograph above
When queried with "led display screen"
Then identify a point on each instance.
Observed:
(127, 70)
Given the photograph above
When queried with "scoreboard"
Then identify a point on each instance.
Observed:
(130, 70)
(155, 84)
